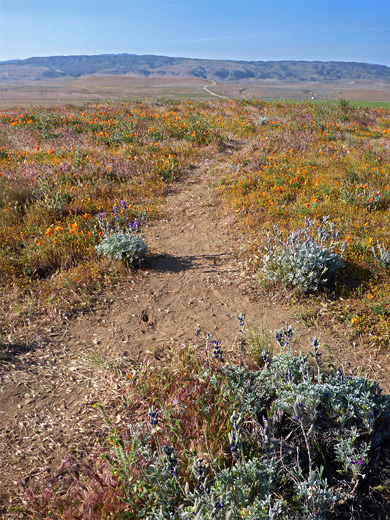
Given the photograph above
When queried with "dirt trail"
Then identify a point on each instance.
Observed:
(213, 93)
(192, 278)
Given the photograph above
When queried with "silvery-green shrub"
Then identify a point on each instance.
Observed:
(302, 438)
(125, 247)
(306, 259)
(123, 238)
(382, 255)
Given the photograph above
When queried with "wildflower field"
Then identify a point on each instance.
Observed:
(63, 166)
(60, 169)
(206, 434)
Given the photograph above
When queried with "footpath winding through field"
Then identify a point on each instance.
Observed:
(192, 278)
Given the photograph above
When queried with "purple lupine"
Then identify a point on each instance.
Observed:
(171, 459)
(265, 356)
(303, 367)
(284, 336)
(317, 354)
(115, 211)
(241, 321)
(217, 349)
(267, 436)
(200, 470)
(153, 414)
(235, 444)
(102, 222)
(234, 436)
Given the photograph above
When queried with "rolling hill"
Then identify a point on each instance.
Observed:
(64, 68)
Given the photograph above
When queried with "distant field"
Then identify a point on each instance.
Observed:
(370, 104)
(120, 87)
(100, 88)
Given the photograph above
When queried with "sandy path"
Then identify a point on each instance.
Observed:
(191, 278)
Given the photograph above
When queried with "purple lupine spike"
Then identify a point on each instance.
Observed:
(217, 349)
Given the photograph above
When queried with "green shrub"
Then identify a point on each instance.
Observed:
(125, 247)
(200, 438)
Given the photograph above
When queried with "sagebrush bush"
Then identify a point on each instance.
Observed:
(306, 259)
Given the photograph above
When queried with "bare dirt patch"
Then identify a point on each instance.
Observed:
(191, 279)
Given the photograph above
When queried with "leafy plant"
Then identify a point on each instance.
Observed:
(293, 428)
(224, 441)
(125, 247)
(306, 259)
(263, 120)
(124, 239)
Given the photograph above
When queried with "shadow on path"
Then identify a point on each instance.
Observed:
(175, 264)
(10, 351)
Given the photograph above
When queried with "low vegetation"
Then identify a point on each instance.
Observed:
(207, 438)
(64, 171)
(273, 164)
(306, 259)
(201, 436)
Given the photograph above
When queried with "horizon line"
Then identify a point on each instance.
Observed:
(192, 58)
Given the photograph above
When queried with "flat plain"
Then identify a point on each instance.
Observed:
(93, 88)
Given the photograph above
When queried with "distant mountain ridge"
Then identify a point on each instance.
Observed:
(72, 67)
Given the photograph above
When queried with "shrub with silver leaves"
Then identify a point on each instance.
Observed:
(382, 255)
(307, 258)
(123, 238)
(125, 247)
(304, 441)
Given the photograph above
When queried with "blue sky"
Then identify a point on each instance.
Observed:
(222, 29)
